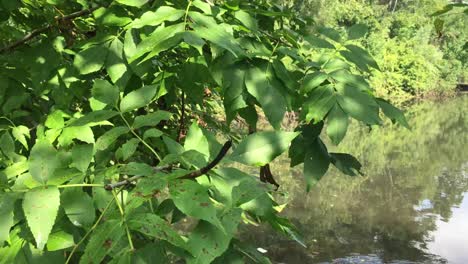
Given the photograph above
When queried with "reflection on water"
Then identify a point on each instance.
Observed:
(410, 207)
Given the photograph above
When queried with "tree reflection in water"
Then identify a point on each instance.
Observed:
(412, 180)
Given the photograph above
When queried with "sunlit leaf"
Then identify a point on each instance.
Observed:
(43, 161)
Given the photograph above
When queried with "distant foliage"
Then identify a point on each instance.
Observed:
(113, 116)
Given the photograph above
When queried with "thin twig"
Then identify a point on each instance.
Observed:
(38, 31)
(211, 165)
(182, 117)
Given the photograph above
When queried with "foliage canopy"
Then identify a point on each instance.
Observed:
(111, 124)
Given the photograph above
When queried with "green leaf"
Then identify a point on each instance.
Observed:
(7, 145)
(261, 148)
(344, 77)
(207, 242)
(346, 163)
(82, 156)
(360, 57)
(103, 240)
(127, 149)
(55, 120)
(319, 42)
(196, 140)
(395, 114)
(357, 31)
(91, 59)
(115, 64)
(330, 33)
(135, 3)
(82, 133)
(7, 201)
(40, 207)
(105, 92)
(192, 199)
(78, 207)
(94, 117)
(320, 101)
(313, 80)
(156, 42)
(173, 146)
(261, 86)
(359, 105)
(163, 13)
(337, 124)
(43, 161)
(112, 16)
(138, 98)
(156, 227)
(246, 19)
(59, 240)
(151, 119)
(20, 133)
(219, 34)
(152, 133)
(316, 162)
(104, 141)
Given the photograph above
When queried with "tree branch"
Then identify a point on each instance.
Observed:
(211, 165)
(111, 186)
(38, 31)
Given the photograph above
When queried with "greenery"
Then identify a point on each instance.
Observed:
(420, 45)
(113, 116)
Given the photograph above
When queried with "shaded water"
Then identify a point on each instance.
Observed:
(410, 207)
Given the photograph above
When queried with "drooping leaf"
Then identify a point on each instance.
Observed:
(337, 124)
(40, 207)
(192, 199)
(245, 18)
(316, 162)
(357, 31)
(163, 13)
(103, 240)
(320, 102)
(260, 148)
(104, 141)
(6, 210)
(105, 92)
(346, 163)
(261, 86)
(360, 57)
(82, 156)
(115, 64)
(43, 161)
(138, 98)
(395, 114)
(151, 119)
(78, 206)
(359, 105)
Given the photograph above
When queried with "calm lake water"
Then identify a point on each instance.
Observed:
(410, 207)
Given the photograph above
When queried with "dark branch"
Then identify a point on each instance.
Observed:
(211, 165)
(111, 186)
(38, 31)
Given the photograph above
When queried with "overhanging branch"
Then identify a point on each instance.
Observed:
(38, 31)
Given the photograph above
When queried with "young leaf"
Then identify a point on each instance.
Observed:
(105, 92)
(104, 141)
(103, 240)
(78, 207)
(337, 124)
(151, 119)
(192, 199)
(138, 98)
(261, 148)
(20, 133)
(40, 207)
(43, 161)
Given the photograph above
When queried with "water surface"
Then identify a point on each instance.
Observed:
(410, 207)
